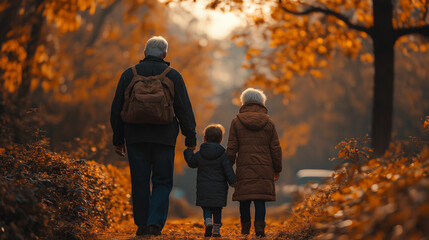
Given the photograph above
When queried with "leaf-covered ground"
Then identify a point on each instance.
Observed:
(193, 228)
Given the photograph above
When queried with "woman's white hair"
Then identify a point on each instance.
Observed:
(156, 46)
(253, 95)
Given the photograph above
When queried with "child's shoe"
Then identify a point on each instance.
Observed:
(260, 228)
(209, 227)
(245, 228)
(216, 230)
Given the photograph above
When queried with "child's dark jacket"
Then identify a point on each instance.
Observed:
(214, 172)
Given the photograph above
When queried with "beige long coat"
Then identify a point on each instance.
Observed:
(253, 145)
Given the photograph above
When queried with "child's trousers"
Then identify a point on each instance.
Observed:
(216, 212)
(245, 210)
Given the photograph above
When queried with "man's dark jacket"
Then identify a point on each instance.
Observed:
(214, 171)
(154, 133)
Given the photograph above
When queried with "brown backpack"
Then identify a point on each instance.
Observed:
(149, 99)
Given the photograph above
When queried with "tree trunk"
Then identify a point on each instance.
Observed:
(7, 18)
(383, 41)
(27, 78)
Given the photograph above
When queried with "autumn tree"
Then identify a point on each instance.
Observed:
(387, 24)
(27, 54)
(24, 38)
(303, 34)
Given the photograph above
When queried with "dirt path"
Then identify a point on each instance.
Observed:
(194, 229)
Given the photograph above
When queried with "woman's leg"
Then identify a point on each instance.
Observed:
(260, 218)
(245, 216)
(259, 210)
(245, 211)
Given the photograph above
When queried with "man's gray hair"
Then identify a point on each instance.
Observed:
(253, 95)
(156, 46)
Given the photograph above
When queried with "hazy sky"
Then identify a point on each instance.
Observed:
(225, 71)
(216, 24)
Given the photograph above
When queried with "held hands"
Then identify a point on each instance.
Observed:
(121, 150)
(192, 148)
(276, 176)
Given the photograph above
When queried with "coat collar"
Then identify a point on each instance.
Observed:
(154, 59)
(210, 150)
(253, 115)
(253, 107)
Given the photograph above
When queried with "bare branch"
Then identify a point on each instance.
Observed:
(7, 18)
(329, 12)
(99, 23)
(425, 13)
(422, 30)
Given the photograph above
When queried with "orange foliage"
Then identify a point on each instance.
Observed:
(368, 198)
(25, 40)
(294, 137)
(302, 44)
(44, 194)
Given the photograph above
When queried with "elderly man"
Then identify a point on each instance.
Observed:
(150, 146)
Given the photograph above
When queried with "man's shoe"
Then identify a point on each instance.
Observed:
(154, 230)
(141, 231)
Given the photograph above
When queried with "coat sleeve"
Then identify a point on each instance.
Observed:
(115, 113)
(183, 111)
(276, 151)
(191, 158)
(228, 171)
(232, 148)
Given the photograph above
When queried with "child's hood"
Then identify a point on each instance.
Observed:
(211, 150)
(253, 116)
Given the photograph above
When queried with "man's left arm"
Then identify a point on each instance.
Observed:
(115, 115)
(183, 111)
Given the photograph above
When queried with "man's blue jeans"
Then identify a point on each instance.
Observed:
(158, 159)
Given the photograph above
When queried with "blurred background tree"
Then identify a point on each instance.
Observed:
(304, 35)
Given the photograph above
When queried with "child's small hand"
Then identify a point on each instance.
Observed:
(276, 176)
(191, 148)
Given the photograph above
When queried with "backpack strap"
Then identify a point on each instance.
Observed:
(162, 77)
(132, 83)
(134, 70)
(163, 74)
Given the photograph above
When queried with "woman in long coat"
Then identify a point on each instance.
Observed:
(253, 145)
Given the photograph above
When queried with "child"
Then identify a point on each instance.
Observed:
(214, 171)
(259, 162)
